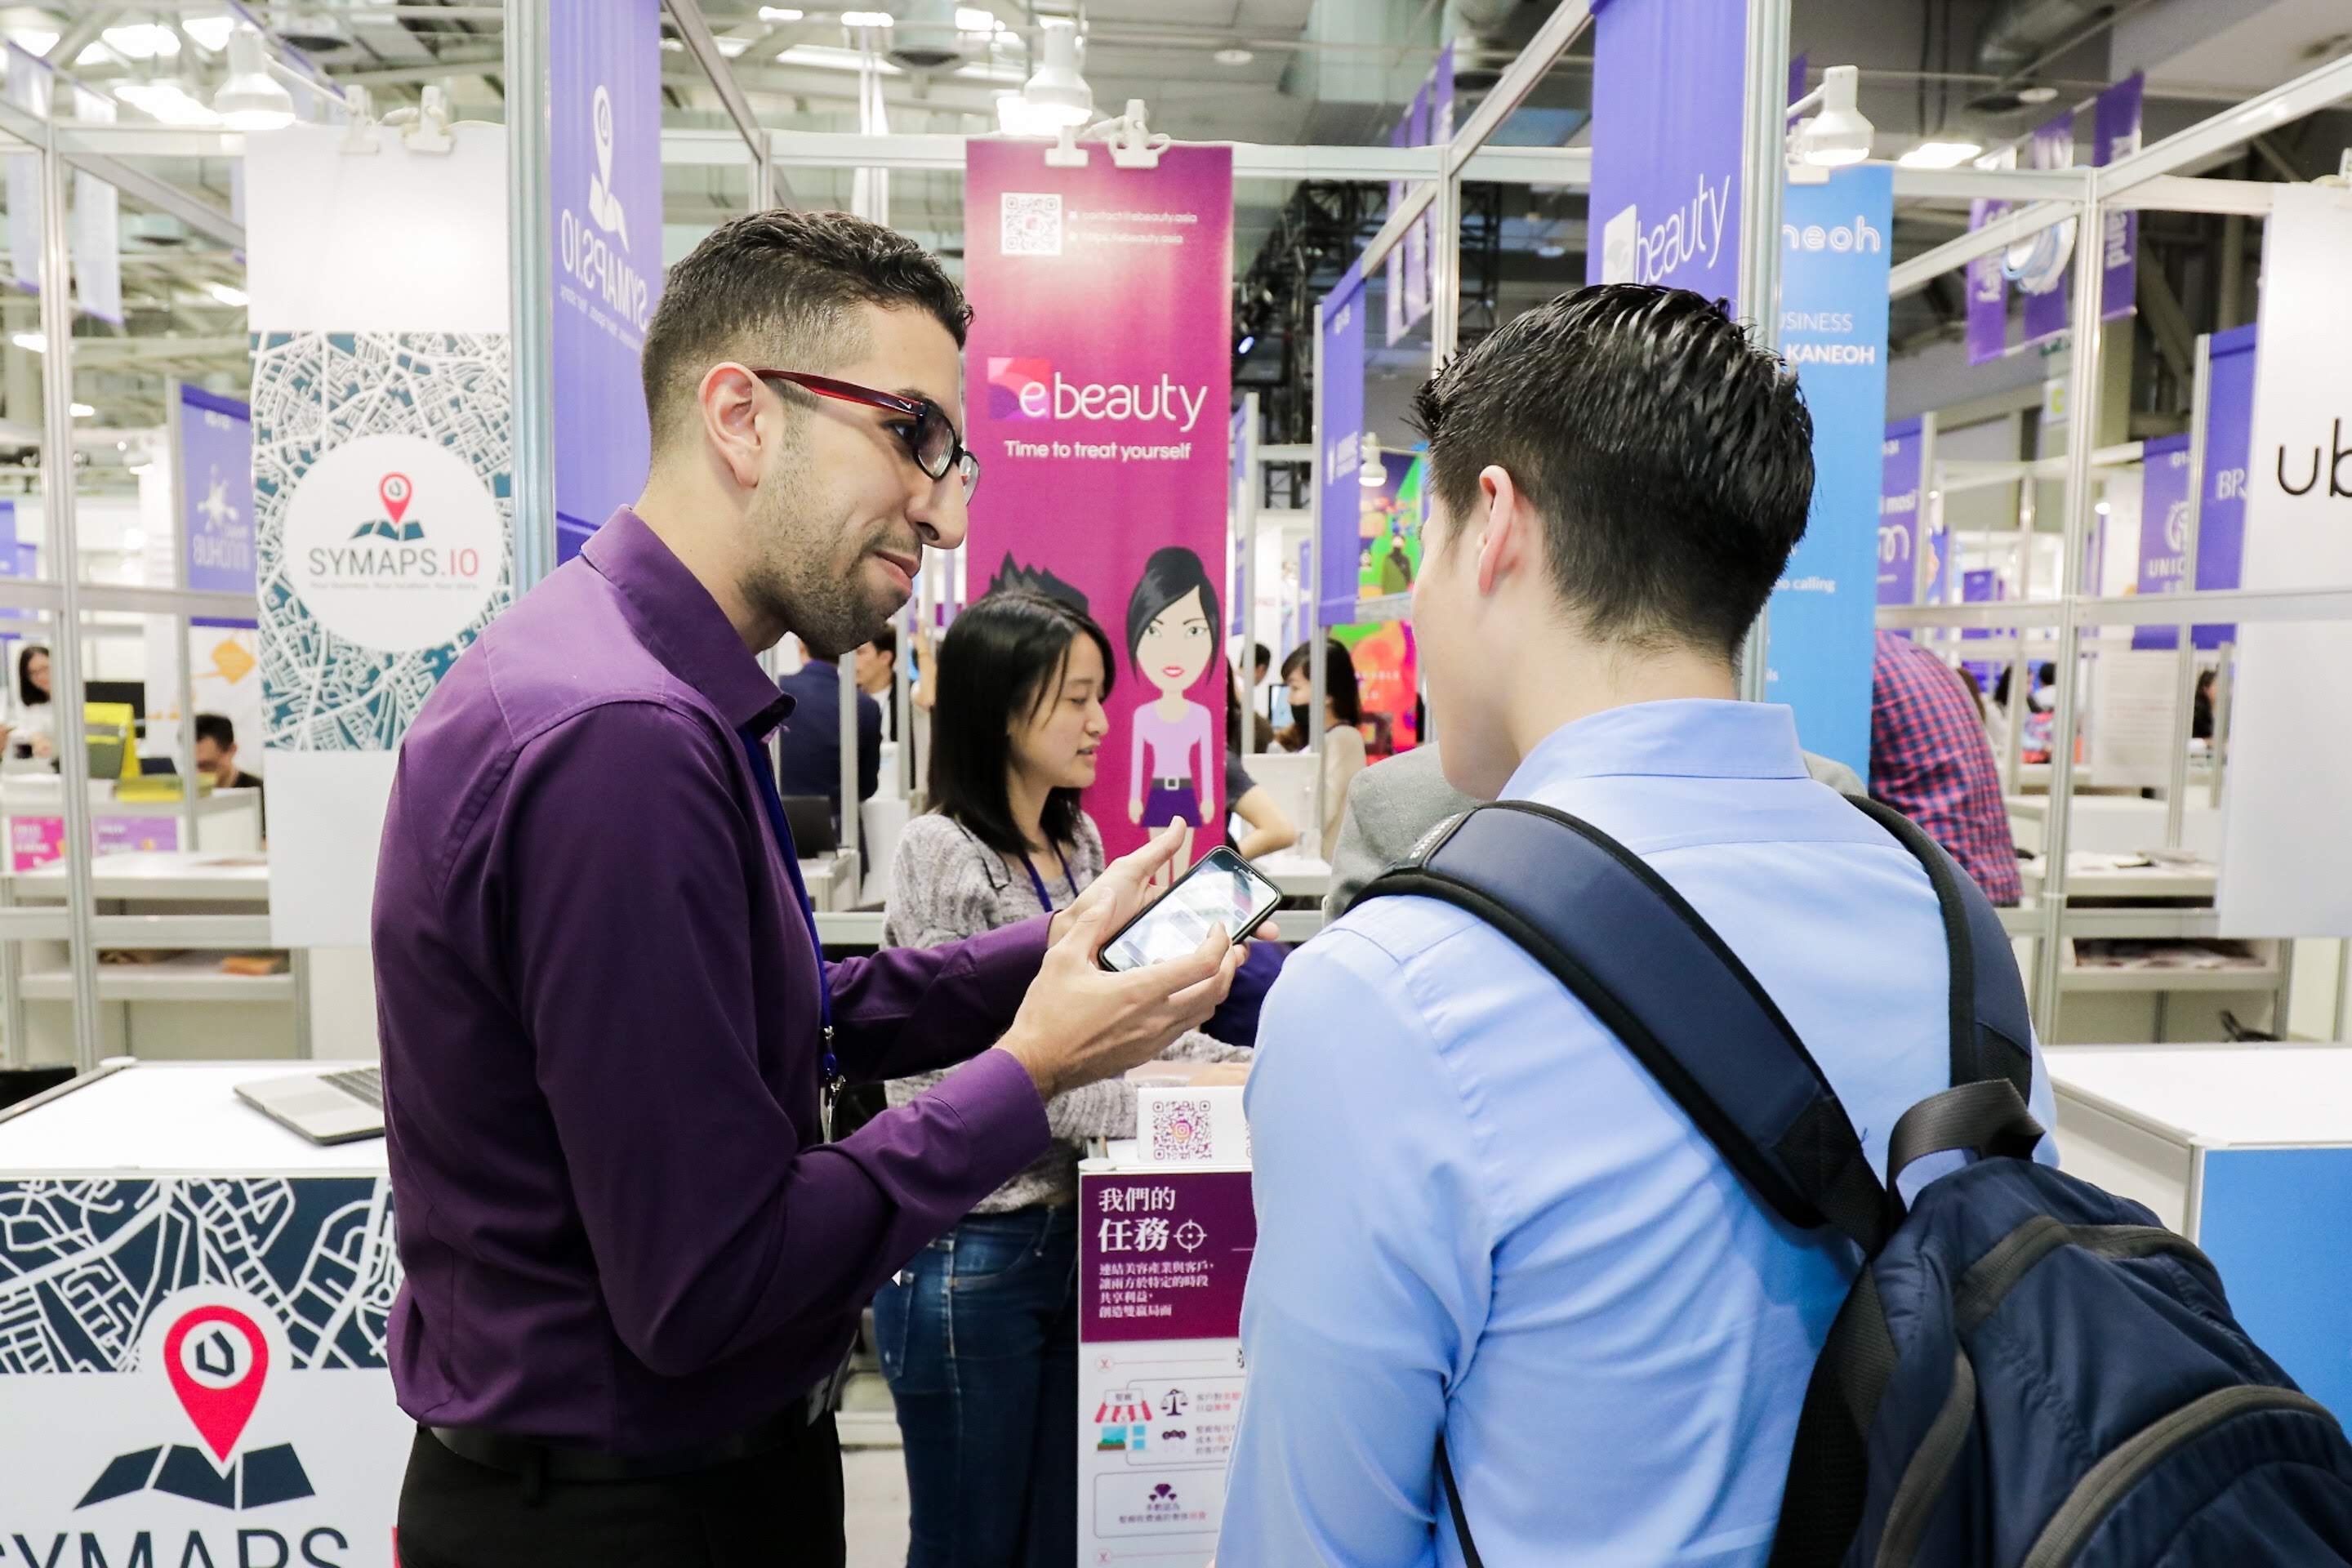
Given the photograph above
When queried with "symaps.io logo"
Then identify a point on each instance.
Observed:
(216, 1359)
(396, 493)
(1009, 381)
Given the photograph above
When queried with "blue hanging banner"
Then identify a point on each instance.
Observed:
(1340, 374)
(1669, 95)
(1834, 253)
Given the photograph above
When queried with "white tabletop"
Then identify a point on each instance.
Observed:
(2217, 1095)
(159, 874)
(1296, 873)
(171, 1116)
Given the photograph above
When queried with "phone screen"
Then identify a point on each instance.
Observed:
(1221, 889)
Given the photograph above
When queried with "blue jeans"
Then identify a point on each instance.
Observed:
(981, 1347)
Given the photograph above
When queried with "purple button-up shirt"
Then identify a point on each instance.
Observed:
(597, 994)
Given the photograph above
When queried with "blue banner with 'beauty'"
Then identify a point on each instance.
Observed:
(1669, 92)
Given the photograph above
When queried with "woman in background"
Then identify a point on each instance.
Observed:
(978, 1337)
(35, 723)
(1343, 735)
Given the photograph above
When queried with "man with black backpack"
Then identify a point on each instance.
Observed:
(1613, 1189)
(1480, 1217)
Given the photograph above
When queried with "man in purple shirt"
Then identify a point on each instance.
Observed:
(634, 1257)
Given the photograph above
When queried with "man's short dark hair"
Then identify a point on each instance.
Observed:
(776, 289)
(1261, 654)
(216, 728)
(886, 642)
(1672, 460)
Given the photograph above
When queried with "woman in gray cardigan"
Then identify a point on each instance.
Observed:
(979, 1336)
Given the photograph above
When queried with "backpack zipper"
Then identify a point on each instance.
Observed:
(2087, 1506)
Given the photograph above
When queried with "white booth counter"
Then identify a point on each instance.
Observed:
(2247, 1151)
(194, 1305)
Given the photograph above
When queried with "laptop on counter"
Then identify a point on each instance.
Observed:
(325, 1107)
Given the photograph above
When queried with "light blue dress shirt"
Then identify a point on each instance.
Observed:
(1477, 1215)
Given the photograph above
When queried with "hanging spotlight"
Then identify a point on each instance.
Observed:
(1369, 472)
(1839, 134)
(250, 98)
(1057, 94)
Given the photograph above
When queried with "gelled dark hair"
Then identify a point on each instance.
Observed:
(1671, 459)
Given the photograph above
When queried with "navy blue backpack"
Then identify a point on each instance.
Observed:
(2028, 1372)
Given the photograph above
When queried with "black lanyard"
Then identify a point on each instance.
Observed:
(1039, 883)
(828, 1067)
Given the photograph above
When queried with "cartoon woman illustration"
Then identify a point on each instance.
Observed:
(1172, 639)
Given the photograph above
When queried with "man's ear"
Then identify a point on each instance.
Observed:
(736, 421)
(1505, 537)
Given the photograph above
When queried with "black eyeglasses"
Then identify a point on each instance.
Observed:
(931, 439)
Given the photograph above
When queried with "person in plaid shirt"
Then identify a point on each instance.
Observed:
(1931, 760)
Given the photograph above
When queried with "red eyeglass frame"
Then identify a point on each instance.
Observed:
(959, 456)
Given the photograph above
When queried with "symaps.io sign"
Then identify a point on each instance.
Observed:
(394, 543)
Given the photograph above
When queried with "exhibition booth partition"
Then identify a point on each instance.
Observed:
(199, 1299)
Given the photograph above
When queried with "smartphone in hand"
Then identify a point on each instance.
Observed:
(1222, 888)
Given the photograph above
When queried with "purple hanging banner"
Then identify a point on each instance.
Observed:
(1106, 473)
(2043, 279)
(1988, 292)
(215, 483)
(2116, 132)
(1797, 71)
(1668, 127)
(2221, 518)
(1339, 373)
(1416, 237)
(1982, 587)
(2163, 529)
(604, 87)
(1901, 510)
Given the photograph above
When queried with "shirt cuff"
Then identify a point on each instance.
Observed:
(997, 1102)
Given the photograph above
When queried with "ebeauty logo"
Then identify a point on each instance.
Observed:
(1009, 381)
(217, 1360)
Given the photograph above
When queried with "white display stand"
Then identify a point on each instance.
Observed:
(1163, 1253)
(148, 1211)
(2247, 1151)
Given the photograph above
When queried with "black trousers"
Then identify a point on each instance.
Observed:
(782, 1509)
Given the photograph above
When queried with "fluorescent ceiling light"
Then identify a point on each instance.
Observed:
(84, 411)
(974, 19)
(167, 101)
(1236, 56)
(867, 19)
(732, 46)
(33, 341)
(228, 294)
(32, 40)
(781, 14)
(133, 41)
(1940, 155)
(210, 32)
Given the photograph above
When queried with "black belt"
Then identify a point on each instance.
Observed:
(539, 1462)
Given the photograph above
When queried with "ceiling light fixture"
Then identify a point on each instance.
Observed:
(249, 98)
(977, 19)
(2031, 95)
(166, 99)
(1016, 116)
(1234, 55)
(84, 411)
(228, 294)
(1940, 155)
(1370, 474)
(868, 19)
(133, 42)
(1838, 136)
(210, 32)
(33, 342)
(781, 14)
(1249, 342)
(1058, 94)
(32, 41)
(1551, 250)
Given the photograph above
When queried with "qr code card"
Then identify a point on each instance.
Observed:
(1179, 1128)
(1031, 224)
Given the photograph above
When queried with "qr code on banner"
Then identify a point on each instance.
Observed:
(1180, 1130)
(1031, 224)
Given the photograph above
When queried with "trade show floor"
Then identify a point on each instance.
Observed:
(876, 1482)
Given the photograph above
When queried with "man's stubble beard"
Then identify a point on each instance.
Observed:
(796, 576)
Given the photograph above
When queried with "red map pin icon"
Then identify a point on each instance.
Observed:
(395, 489)
(216, 1359)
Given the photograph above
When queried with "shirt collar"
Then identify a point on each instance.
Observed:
(676, 617)
(1690, 738)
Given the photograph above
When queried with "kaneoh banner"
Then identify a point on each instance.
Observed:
(1835, 238)
(1669, 93)
(1339, 381)
(1098, 377)
(2115, 130)
(2290, 750)
(604, 87)
(1900, 513)
(216, 485)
